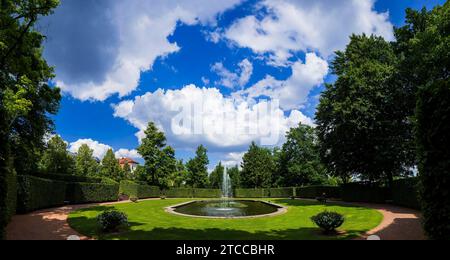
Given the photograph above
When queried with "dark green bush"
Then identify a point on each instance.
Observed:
(433, 145)
(405, 192)
(328, 221)
(111, 221)
(8, 198)
(79, 193)
(207, 193)
(358, 192)
(35, 193)
(132, 189)
(314, 192)
(250, 193)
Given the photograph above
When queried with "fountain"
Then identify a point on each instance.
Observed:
(227, 188)
(226, 207)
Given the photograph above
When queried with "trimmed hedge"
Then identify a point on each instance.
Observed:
(79, 193)
(250, 193)
(313, 192)
(69, 178)
(433, 143)
(132, 189)
(179, 193)
(36, 193)
(405, 192)
(357, 192)
(280, 192)
(207, 193)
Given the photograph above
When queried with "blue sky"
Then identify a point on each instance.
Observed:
(121, 65)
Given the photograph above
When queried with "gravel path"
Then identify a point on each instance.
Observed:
(51, 224)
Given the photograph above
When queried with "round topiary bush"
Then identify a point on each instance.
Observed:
(329, 221)
(112, 220)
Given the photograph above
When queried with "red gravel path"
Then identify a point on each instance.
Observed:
(51, 224)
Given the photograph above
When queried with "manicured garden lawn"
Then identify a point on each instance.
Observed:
(149, 221)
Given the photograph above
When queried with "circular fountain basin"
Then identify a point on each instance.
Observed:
(227, 209)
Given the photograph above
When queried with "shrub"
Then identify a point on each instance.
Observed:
(111, 221)
(433, 145)
(139, 191)
(405, 192)
(79, 193)
(359, 192)
(35, 193)
(313, 192)
(328, 221)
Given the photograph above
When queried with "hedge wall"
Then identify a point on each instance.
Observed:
(433, 143)
(179, 193)
(405, 193)
(357, 192)
(280, 192)
(250, 193)
(69, 178)
(207, 193)
(79, 193)
(132, 189)
(36, 193)
(313, 192)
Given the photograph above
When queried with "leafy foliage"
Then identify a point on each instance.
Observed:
(328, 221)
(299, 160)
(110, 167)
(86, 165)
(433, 138)
(37, 193)
(26, 99)
(257, 168)
(216, 177)
(110, 221)
(160, 160)
(364, 131)
(198, 169)
(56, 159)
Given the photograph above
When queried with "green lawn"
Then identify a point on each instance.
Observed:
(149, 221)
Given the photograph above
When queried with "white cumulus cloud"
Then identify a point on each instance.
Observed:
(282, 27)
(293, 92)
(229, 79)
(192, 116)
(140, 29)
(98, 148)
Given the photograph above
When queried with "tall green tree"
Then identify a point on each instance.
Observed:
(362, 131)
(258, 167)
(56, 159)
(110, 167)
(235, 176)
(160, 160)
(178, 178)
(167, 167)
(26, 99)
(299, 161)
(86, 165)
(198, 169)
(216, 177)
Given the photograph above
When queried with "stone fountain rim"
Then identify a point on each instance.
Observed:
(281, 210)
